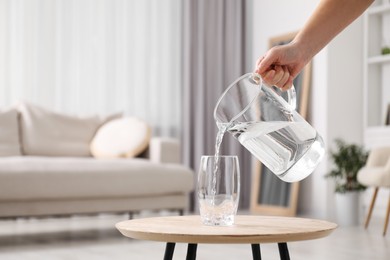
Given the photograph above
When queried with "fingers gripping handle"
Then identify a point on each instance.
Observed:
(291, 93)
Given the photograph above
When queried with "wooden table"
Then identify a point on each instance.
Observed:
(246, 230)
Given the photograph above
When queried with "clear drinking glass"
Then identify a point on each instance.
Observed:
(218, 189)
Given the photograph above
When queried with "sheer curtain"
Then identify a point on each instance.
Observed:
(94, 56)
(213, 56)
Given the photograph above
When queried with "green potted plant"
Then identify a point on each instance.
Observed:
(385, 50)
(348, 159)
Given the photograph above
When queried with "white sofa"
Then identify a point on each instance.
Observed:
(46, 168)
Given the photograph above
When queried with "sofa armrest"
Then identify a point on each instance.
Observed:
(164, 150)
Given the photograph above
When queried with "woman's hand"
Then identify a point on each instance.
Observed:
(280, 65)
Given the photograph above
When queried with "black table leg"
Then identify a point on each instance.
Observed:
(283, 251)
(169, 251)
(191, 251)
(256, 252)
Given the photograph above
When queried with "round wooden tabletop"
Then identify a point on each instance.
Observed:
(247, 229)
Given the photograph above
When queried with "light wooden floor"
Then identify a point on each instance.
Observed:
(94, 237)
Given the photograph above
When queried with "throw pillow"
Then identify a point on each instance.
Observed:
(48, 133)
(9, 133)
(125, 137)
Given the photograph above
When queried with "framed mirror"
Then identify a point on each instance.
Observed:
(270, 195)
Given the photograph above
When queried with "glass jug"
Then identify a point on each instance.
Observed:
(270, 127)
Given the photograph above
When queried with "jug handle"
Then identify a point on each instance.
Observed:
(292, 97)
(291, 93)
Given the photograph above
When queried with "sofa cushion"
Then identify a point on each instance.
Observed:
(9, 133)
(53, 134)
(33, 178)
(123, 137)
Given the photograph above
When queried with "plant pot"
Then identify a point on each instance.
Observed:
(347, 208)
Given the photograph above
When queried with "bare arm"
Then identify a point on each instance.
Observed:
(328, 20)
(282, 64)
